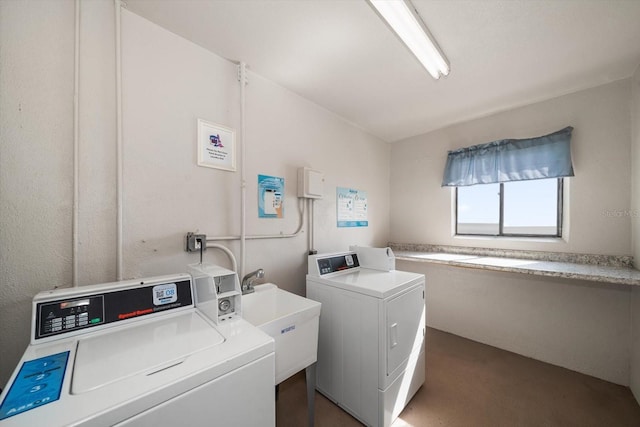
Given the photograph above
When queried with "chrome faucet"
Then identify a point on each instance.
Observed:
(247, 281)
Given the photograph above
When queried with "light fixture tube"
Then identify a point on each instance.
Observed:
(407, 24)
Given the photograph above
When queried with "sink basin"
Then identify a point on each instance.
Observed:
(291, 320)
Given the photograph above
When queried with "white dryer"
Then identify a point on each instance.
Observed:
(371, 344)
(138, 353)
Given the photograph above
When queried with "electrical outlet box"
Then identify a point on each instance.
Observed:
(196, 242)
(310, 183)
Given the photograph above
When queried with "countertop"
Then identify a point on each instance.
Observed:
(601, 270)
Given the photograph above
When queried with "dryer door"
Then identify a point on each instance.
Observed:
(405, 328)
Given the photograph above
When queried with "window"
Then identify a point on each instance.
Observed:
(518, 208)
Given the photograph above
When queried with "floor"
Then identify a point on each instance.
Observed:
(472, 384)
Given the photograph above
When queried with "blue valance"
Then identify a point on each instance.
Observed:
(547, 156)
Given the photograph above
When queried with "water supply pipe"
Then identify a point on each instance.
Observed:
(234, 263)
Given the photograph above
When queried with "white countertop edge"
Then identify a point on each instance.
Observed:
(596, 273)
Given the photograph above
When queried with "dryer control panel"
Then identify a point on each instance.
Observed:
(322, 265)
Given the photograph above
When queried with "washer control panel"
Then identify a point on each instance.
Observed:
(57, 314)
(65, 315)
(322, 265)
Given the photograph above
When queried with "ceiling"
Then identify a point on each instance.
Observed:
(341, 56)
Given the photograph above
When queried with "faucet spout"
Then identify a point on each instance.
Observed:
(247, 281)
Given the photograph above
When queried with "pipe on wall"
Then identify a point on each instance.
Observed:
(266, 236)
(76, 143)
(234, 263)
(243, 237)
(243, 181)
(311, 219)
(119, 142)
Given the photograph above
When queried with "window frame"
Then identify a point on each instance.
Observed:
(501, 233)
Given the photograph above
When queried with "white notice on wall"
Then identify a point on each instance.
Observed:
(216, 146)
(351, 208)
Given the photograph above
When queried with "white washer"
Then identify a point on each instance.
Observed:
(371, 346)
(139, 353)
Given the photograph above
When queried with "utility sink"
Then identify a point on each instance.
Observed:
(291, 320)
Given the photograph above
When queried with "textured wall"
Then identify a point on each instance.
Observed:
(36, 147)
(97, 133)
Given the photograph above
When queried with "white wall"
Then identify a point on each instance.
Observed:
(97, 133)
(36, 130)
(635, 225)
(575, 324)
(168, 83)
(601, 158)
(579, 325)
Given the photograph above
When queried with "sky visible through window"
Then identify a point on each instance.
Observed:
(479, 204)
(531, 203)
(529, 206)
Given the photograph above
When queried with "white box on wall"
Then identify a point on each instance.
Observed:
(310, 183)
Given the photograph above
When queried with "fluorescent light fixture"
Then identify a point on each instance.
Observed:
(404, 20)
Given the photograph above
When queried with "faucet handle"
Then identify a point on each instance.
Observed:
(247, 280)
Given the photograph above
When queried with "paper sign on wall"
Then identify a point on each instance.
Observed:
(270, 196)
(216, 146)
(351, 207)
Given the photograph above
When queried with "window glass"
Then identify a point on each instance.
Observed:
(528, 208)
(531, 207)
(479, 209)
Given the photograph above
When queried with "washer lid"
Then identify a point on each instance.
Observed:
(150, 347)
